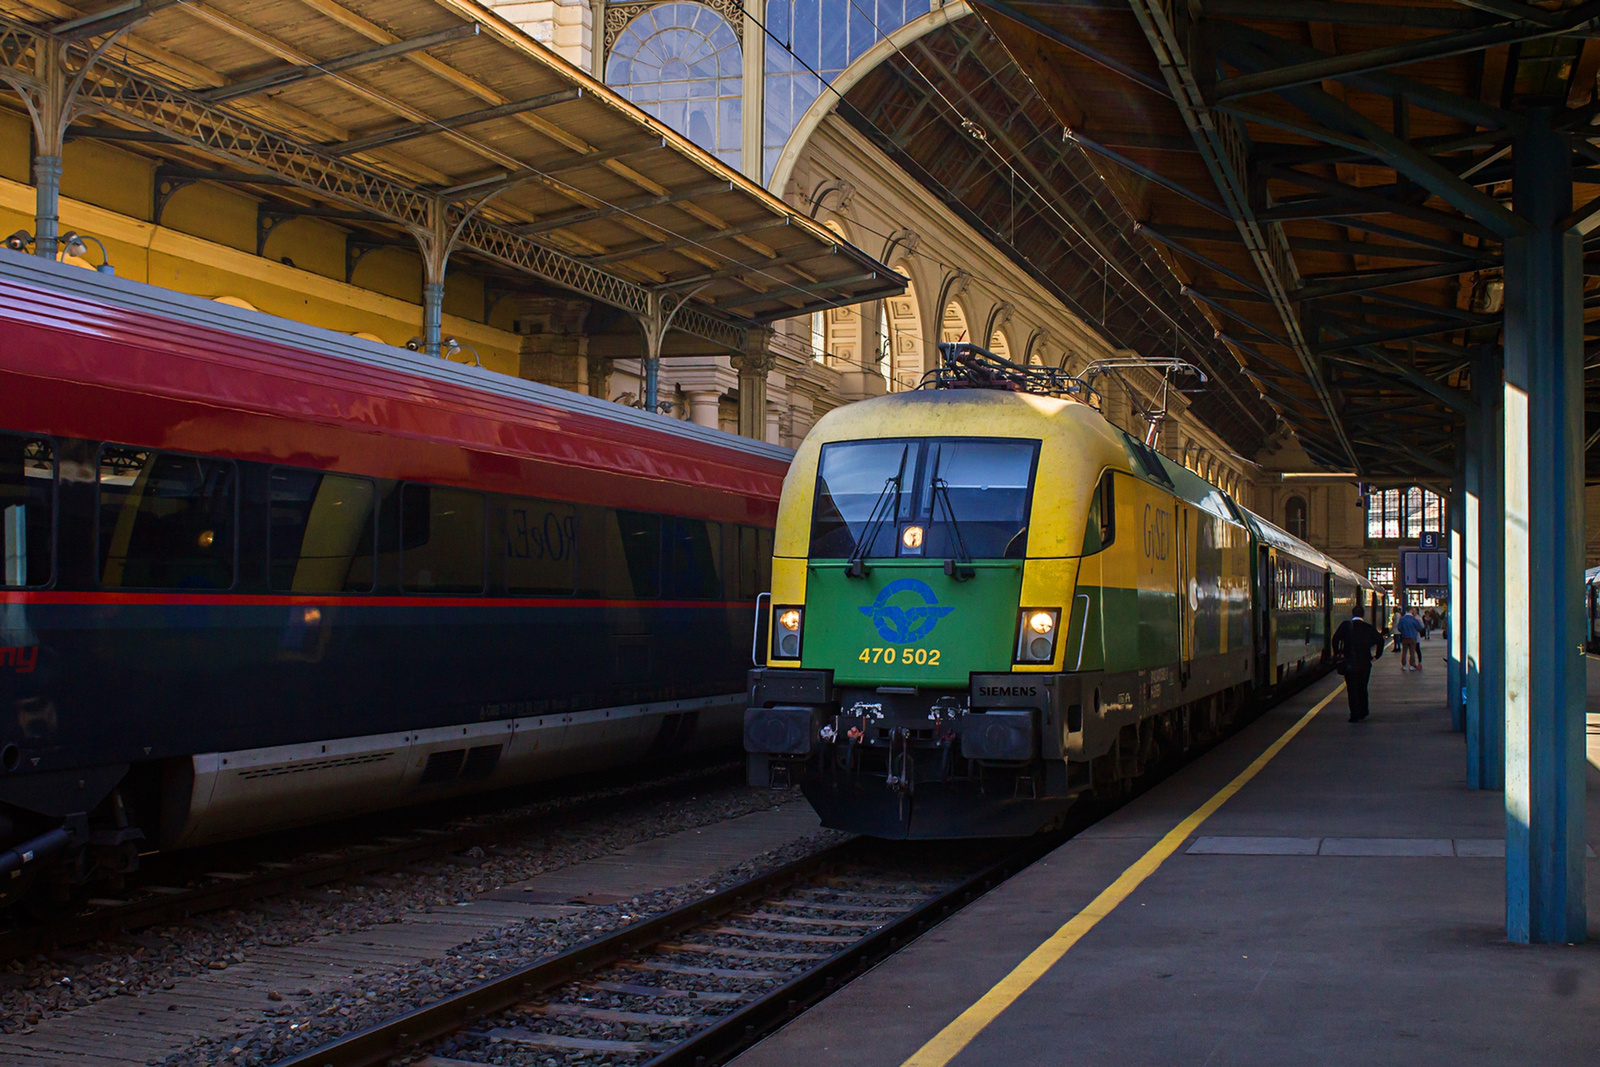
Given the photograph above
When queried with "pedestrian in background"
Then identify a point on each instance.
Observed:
(1356, 643)
(1410, 630)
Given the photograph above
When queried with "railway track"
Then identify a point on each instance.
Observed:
(182, 886)
(698, 984)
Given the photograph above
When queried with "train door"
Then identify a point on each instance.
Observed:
(1327, 615)
(1186, 594)
(1266, 632)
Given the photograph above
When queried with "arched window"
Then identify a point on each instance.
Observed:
(953, 326)
(1000, 344)
(902, 336)
(1294, 516)
(825, 36)
(681, 63)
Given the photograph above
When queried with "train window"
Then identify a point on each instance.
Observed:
(854, 480)
(1100, 530)
(750, 564)
(541, 542)
(27, 508)
(442, 538)
(166, 520)
(320, 535)
(633, 554)
(695, 570)
(977, 495)
(967, 493)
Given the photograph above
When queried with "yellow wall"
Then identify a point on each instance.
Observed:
(206, 246)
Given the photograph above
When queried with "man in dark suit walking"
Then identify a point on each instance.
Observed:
(1356, 643)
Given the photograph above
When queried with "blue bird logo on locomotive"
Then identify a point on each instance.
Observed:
(901, 624)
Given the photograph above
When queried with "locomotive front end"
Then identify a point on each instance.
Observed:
(918, 662)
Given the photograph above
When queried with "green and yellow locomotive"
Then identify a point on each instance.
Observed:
(987, 601)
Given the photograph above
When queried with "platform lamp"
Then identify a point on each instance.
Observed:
(19, 241)
(75, 245)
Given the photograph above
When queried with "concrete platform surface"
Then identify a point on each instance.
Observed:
(1345, 907)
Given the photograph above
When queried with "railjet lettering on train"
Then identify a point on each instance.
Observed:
(21, 658)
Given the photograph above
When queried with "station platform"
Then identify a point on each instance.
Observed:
(1346, 905)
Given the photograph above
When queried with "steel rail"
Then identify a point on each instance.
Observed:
(731, 1033)
(738, 1030)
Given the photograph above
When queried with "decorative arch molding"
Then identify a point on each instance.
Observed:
(819, 197)
(903, 241)
(843, 82)
(1036, 342)
(999, 318)
(951, 289)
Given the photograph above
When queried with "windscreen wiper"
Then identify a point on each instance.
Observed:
(880, 515)
(957, 568)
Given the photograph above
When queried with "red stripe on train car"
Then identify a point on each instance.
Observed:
(256, 600)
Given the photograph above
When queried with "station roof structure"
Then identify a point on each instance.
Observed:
(435, 121)
(1330, 181)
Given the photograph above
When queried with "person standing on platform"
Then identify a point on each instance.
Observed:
(1410, 628)
(1356, 643)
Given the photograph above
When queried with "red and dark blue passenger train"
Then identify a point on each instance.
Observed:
(259, 574)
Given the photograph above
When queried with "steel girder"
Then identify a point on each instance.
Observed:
(1414, 346)
(1224, 149)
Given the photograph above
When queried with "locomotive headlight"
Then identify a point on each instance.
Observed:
(911, 537)
(787, 622)
(1036, 634)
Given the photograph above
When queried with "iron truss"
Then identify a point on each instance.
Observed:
(115, 89)
(958, 114)
(1333, 181)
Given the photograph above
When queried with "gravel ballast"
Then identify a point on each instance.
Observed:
(157, 958)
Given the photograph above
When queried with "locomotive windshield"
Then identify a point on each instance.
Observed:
(964, 492)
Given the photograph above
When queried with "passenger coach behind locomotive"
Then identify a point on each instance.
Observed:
(987, 601)
(259, 574)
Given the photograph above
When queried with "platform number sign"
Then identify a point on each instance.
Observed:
(1432, 541)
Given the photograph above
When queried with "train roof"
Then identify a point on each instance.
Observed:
(75, 284)
(1349, 574)
(1284, 541)
(104, 359)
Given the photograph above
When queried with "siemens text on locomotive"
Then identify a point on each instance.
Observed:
(258, 574)
(987, 600)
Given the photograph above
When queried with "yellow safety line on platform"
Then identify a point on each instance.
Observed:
(948, 1043)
